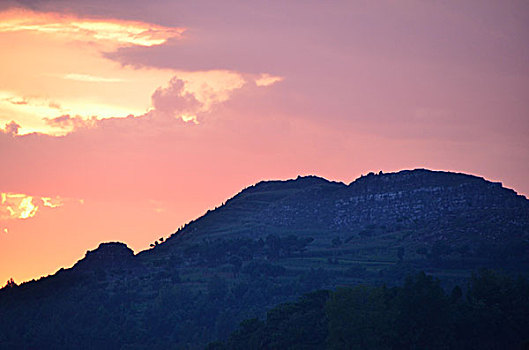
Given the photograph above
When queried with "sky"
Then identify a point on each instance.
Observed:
(123, 120)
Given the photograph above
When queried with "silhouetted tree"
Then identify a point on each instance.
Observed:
(10, 283)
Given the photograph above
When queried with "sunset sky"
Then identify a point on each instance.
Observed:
(122, 120)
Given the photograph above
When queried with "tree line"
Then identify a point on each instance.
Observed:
(492, 312)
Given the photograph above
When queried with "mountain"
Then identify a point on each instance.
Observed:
(423, 217)
(269, 244)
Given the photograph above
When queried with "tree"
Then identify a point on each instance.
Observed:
(422, 314)
(499, 307)
(358, 318)
(10, 283)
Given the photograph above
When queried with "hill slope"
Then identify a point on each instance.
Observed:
(268, 244)
(423, 217)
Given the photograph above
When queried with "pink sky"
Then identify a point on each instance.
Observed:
(124, 120)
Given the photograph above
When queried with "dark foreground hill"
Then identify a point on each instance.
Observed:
(494, 314)
(271, 243)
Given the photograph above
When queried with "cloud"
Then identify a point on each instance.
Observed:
(73, 85)
(212, 86)
(91, 78)
(174, 102)
(11, 128)
(52, 202)
(17, 101)
(15, 206)
(40, 114)
(37, 114)
(55, 66)
(186, 96)
(267, 80)
(191, 94)
(111, 32)
(66, 123)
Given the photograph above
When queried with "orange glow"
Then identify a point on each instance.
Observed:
(115, 32)
(55, 67)
(51, 73)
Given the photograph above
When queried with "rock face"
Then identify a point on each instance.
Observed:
(403, 199)
(110, 255)
(432, 205)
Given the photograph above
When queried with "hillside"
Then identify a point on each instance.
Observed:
(419, 314)
(269, 244)
(424, 218)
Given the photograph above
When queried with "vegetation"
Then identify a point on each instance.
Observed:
(494, 314)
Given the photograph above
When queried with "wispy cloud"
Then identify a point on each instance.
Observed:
(267, 80)
(40, 114)
(15, 206)
(91, 78)
(118, 33)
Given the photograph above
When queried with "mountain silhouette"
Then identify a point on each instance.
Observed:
(409, 209)
(268, 244)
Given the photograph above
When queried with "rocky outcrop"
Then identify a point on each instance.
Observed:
(433, 205)
(111, 255)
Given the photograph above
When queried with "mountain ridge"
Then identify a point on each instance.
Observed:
(410, 181)
(371, 183)
(272, 242)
